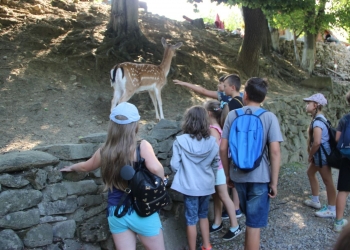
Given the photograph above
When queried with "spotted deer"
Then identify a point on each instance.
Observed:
(129, 78)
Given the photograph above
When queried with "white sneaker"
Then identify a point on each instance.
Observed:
(325, 213)
(339, 227)
(313, 204)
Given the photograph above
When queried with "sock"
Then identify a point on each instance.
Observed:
(214, 226)
(315, 198)
(233, 229)
(339, 222)
(331, 208)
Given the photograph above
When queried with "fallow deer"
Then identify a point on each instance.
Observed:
(129, 78)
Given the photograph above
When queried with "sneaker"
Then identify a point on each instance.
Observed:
(212, 230)
(231, 235)
(313, 204)
(238, 213)
(339, 227)
(224, 215)
(325, 213)
(203, 248)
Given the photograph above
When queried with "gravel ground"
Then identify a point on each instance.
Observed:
(292, 225)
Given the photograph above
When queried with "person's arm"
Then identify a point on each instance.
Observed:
(85, 166)
(224, 160)
(337, 136)
(216, 134)
(151, 161)
(198, 89)
(317, 134)
(275, 161)
(175, 161)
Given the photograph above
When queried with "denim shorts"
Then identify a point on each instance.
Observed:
(196, 207)
(145, 226)
(254, 203)
(323, 156)
(220, 178)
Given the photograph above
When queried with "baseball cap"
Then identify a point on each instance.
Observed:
(318, 98)
(125, 109)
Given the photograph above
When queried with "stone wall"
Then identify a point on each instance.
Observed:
(327, 54)
(41, 208)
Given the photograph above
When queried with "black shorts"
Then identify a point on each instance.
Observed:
(344, 176)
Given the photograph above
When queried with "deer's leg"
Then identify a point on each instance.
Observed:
(159, 100)
(152, 94)
(116, 97)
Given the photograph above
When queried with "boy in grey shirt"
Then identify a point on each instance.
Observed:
(255, 187)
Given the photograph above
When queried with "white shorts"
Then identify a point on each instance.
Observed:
(220, 177)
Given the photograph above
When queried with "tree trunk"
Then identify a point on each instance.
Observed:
(309, 51)
(248, 58)
(296, 50)
(266, 40)
(275, 39)
(124, 18)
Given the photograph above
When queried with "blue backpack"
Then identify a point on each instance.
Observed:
(246, 139)
(344, 140)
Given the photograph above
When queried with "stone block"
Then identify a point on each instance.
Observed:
(67, 206)
(38, 236)
(54, 192)
(18, 161)
(94, 138)
(9, 240)
(165, 146)
(95, 229)
(21, 219)
(64, 229)
(81, 187)
(318, 83)
(53, 174)
(37, 177)
(69, 151)
(90, 200)
(12, 181)
(17, 200)
(49, 219)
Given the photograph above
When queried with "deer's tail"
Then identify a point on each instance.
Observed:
(117, 73)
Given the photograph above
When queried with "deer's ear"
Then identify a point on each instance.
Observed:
(178, 45)
(164, 42)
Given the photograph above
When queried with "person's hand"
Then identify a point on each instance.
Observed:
(272, 191)
(178, 82)
(310, 159)
(229, 182)
(67, 169)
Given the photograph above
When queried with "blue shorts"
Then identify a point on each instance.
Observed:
(145, 226)
(254, 203)
(220, 178)
(196, 207)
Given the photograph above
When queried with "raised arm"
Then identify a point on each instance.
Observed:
(198, 89)
(85, 166)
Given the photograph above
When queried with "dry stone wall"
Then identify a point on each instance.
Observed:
(41, 208)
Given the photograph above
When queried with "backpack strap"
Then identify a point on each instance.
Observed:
(238, 101)
(239, 112)
(259, 112)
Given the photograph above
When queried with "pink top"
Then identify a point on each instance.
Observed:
(220, 132)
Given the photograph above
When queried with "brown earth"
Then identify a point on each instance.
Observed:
(55, 63)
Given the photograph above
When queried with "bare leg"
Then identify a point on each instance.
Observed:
(204, 226)
(217, 208)
(311, 173)
(235, 198)
(230, 206)
(252, 238)
(153, 242)
(125, 240)
(326, 174)
(192, 236)
(341, 203)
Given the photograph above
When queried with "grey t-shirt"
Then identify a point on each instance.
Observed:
(272, 133)
(321, 125)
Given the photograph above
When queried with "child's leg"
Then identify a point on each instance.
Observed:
(192, 236)
(311, 173)
(203, 219)
(235, 198)
(252, 238)
(326, 174)
(230, 206)
(217, 208)
(204, 226)
(341, 203)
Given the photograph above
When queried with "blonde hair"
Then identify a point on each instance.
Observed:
(310, 130)
(219, 113)
(117, 152)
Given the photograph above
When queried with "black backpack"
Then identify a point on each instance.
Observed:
(334, 157)
(147, 192)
